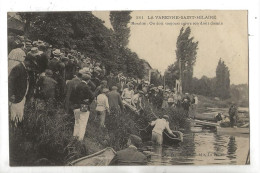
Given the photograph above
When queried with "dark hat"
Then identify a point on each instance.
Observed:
(85, 77)
(136, 140)
(114, 88)
(103, 81)
(166, 117)
(48, 72)
(131, 85)
(140, 92)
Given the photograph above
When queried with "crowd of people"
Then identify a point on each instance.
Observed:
(37, 70)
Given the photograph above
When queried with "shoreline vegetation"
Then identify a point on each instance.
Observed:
(52, 143)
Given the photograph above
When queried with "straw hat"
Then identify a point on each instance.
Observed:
(56, 52)
(105, 90)
(35, 52)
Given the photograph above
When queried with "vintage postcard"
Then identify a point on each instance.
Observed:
(101, 88)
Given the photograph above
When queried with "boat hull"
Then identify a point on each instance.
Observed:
(101, 158)
(168, 139)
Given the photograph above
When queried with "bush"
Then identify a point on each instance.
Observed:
(44, 137)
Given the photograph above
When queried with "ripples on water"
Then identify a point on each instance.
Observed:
(203, 148)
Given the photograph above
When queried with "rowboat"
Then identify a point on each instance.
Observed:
(204, 123)
(101, 158)
(168, 139)
(208, 116)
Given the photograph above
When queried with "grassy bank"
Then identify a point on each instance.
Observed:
(45, 135)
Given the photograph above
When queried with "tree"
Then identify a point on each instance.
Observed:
(186, 54)
(222, 89)
(119, 20)
(89, 35)
(171, 75)
(156, 78)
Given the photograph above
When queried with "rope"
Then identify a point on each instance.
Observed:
(143, 128)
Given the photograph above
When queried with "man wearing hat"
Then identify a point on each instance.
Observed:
(54, 64)
(111, 80)
(159, 125)
(99, 89)
(114, 100)
(18, 88)
(48, 86)
(102, 106)
(28, 46)
(16, 56)
(71, 87)
(43, 59)
(81, 98)
(58, 69)
(130, 155)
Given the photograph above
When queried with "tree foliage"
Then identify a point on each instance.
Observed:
(89, 35)
(218, 86)
(119, 20)
(186, 53)
(222, 80)
(171, 75)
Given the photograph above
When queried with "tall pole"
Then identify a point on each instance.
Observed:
(164, 81)
(180, 76)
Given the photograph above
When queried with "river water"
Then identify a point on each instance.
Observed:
(202, 148)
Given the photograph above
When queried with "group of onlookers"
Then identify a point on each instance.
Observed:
(65, 76)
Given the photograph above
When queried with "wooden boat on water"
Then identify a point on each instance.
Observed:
(203, 123)
(168, 139)
(208, 116)
(101, 158)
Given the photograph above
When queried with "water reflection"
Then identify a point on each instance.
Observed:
(202, 149)
(232, 147)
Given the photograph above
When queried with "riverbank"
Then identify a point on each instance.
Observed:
(46, 135)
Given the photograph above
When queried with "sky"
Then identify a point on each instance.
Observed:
(157, 43)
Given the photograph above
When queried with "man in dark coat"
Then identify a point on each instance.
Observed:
(111, 81)
(70, 88)
(130, 155)
(114, 99)
(58, 69)
(100, 87)
(81, 98)
(233, 111)
(18, 88)
(47, 85)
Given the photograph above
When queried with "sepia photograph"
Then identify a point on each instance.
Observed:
(139, 87)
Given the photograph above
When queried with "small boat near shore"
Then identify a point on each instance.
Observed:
(100, 158)
(168, 139)
(208, 116)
